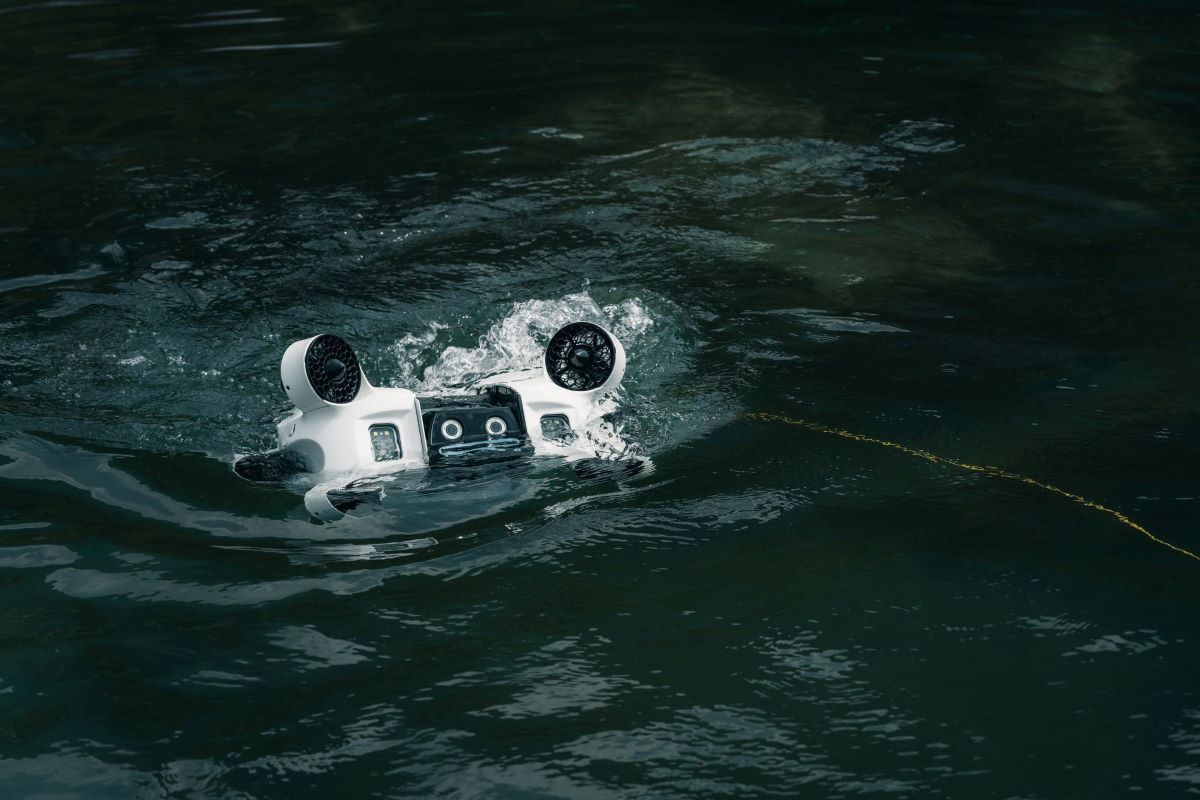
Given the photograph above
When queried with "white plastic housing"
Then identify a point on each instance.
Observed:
(618, 373)
(335, 437)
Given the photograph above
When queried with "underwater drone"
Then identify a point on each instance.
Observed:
(343, 424)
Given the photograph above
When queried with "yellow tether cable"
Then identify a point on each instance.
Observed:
(993, 471)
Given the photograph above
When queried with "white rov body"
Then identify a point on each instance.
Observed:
(344, 424)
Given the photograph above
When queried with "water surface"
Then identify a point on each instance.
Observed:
(964, 228)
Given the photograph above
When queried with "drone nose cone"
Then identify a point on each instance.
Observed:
(335, 370)
(581, 357)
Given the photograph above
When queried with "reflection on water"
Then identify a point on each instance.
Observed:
(965, 229)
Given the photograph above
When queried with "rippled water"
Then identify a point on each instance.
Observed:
(968, 229)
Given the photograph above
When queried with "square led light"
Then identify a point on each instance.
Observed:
(555, 427)
(385, 442)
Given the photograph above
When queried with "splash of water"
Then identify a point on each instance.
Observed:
(518, 342)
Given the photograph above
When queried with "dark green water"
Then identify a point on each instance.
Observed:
(969, 228)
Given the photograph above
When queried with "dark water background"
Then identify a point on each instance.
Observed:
(969, 228)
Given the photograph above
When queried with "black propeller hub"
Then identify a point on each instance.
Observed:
(335, 370)
(581, 357)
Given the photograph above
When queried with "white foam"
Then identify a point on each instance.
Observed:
(518, 342)
(408, 349)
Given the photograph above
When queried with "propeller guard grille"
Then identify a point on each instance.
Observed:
(323, 376)
(580, 357)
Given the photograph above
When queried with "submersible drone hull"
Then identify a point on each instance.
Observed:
(343, 424)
